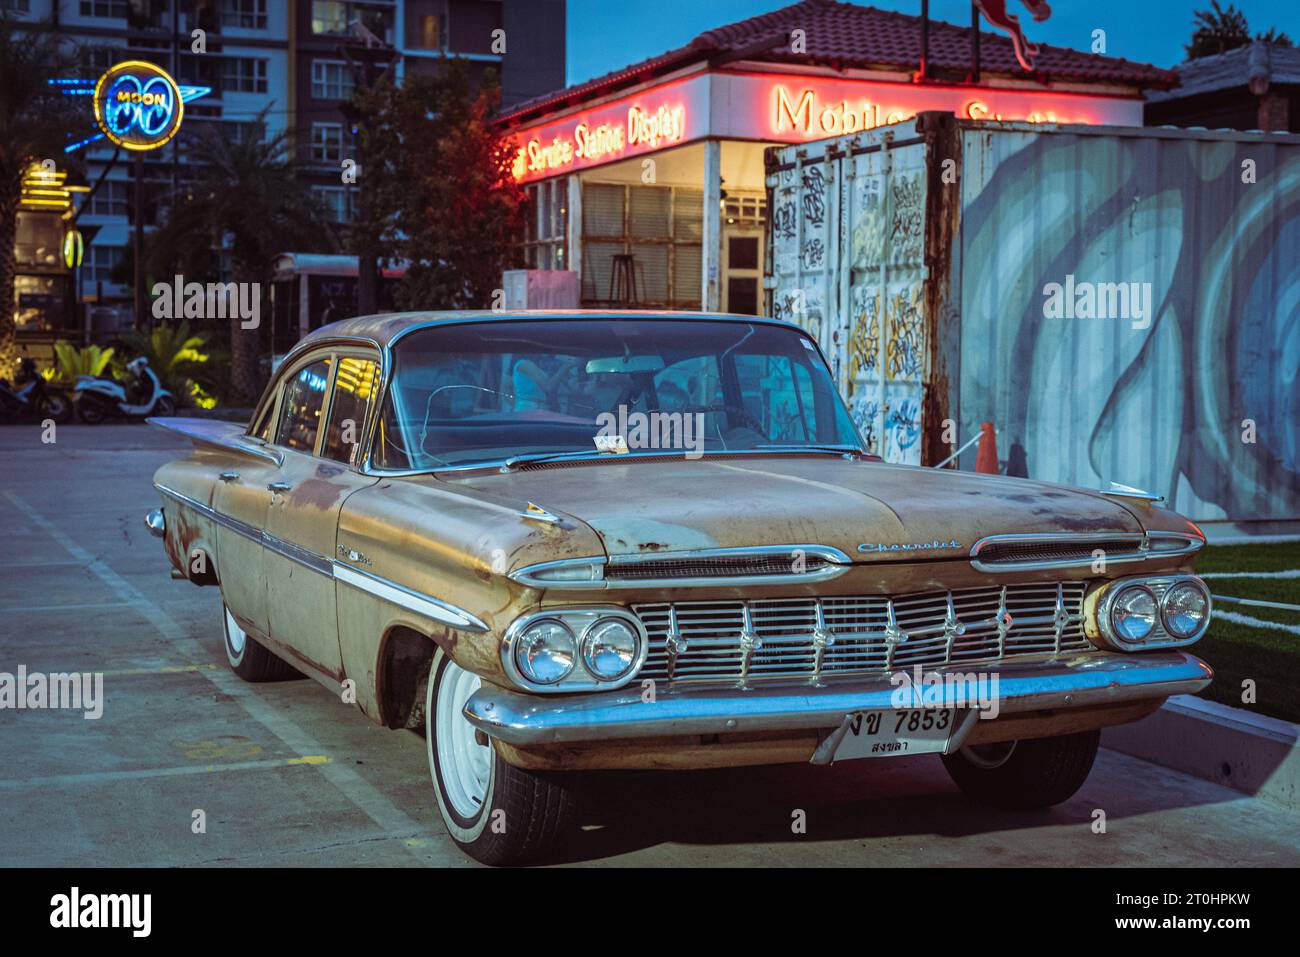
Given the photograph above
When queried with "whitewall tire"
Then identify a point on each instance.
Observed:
(495, 812)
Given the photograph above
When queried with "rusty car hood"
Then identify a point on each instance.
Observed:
(651, 506)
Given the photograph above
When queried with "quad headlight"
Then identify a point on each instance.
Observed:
(1137, 614)
(1185, 609)
(1133, 613)
(546, 651)
(574, 649)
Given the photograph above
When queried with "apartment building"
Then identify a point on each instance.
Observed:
(295, 62)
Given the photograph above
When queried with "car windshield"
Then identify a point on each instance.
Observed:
(483, 392)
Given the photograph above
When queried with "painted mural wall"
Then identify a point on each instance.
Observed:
(1192, 391)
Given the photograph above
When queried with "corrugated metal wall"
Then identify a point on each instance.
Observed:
(1156, 401)
(847, 231)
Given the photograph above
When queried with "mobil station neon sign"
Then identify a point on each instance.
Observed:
(781, 108)
(805, 112)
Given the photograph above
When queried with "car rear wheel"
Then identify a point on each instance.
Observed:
(497, 813)
(249, 658)
(1033, 773)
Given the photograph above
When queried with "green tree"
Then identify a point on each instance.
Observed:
(437, 186)
(245, 197)
(1220, 29)
(35, 122)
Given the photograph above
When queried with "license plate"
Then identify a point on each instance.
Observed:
(886, 734)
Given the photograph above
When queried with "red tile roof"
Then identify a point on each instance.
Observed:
(847, 35)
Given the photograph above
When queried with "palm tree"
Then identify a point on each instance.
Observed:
(246, 197)
(35, 121)
(1220, 29)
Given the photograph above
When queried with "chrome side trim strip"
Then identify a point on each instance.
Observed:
(390, 591)
(410, 600)
(296, 553)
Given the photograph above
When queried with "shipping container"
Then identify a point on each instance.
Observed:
(1123, 303)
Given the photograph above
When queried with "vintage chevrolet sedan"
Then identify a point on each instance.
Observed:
(564, 542)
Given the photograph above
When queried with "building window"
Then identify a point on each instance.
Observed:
(547, 227)
(331, 80)
(243, 75)
(104, 8)
(16, 6)
(327, 142)
(244, 14)
(426, 25)
(340, 17)
(99, 263)
(340, 202)
(659, 227)
(110, 199)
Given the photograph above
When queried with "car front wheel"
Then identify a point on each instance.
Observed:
(1033, 773)
(497, 813)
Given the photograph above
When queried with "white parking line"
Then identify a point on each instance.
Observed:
(1255, 602)
(1289, 573)
(1237, 619)
(101, 777)
(354, 787)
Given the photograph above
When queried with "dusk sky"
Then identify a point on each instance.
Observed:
(605, 35)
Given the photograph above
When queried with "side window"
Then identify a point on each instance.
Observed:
(263, 430)
(303, 398)
(354, 390)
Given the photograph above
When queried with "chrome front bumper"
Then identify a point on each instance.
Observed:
(1093, 678)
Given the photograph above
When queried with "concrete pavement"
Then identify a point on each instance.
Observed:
(286, 774)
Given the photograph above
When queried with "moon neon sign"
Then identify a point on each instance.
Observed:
(138, 105)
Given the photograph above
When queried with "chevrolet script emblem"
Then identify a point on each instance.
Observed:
(907, 546)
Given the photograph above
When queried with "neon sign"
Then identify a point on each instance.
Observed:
(647, 121)
(136, 104)
(806, 114)
(780, 108)
(645, 128)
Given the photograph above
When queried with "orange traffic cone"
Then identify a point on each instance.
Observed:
(986, 456)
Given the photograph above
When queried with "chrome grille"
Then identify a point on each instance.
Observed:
(860, 633)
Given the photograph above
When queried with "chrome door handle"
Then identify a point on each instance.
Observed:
(228, 476)
(279, 486)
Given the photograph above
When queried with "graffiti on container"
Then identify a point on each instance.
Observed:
(905, 424)
(814, 253)
(814, 196)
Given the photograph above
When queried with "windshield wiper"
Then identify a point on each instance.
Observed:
(829, 449)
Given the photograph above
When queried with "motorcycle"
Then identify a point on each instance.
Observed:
(33, 399)
(97, 397)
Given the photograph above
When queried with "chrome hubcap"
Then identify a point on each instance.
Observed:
(234, 634)
(989, 756)
(465, 764)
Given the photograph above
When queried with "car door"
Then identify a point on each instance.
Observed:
(326, 407)
(240, 500)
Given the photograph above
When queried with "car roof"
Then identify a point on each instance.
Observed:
(381, 330)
